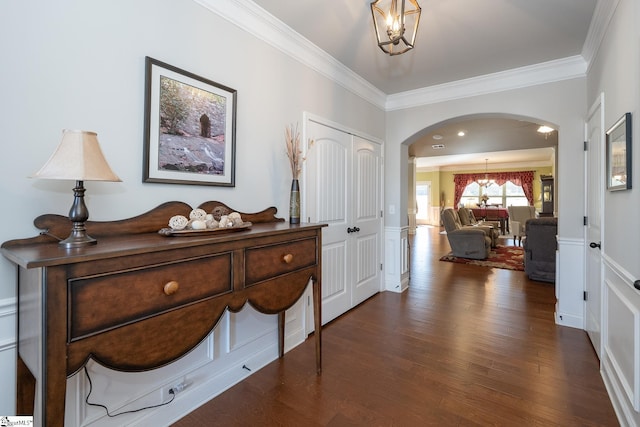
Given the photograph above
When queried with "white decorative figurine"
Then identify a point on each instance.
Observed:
(178, 222)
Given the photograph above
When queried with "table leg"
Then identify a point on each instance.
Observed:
(281, 321)
(317, 318)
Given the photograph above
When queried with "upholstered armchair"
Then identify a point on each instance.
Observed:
(518, 216)
(465, 242)
(540, 246)
(468, 219)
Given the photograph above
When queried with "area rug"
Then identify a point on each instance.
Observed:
(507, 257)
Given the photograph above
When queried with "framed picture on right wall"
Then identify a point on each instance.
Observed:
(618, 146)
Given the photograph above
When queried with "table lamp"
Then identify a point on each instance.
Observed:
(79, 158)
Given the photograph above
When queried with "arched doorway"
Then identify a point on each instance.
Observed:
(468, 144)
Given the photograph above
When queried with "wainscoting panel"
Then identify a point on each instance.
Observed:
(397, 262)
(434, 216)
(127, 391)
(8, 355)
(621, 339)
(570, 282)
(241, 344)
(622, 319)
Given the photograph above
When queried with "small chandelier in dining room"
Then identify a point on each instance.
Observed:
(486, 182)
(396, 24)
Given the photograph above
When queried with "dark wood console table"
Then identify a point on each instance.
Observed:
(139, 300)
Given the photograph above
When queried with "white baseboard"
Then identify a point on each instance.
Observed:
(565, 319)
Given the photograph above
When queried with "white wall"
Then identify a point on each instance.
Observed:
(614, 72)
(80, 64)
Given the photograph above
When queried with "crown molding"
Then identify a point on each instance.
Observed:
(597, 29)
(517, 78)
(255, 20)
(497, 167)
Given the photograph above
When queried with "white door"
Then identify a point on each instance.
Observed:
(423, 202)
(366, 219)
(327, 193)
(593, 194)
(342, 189)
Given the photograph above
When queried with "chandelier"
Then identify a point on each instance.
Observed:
(396, 24)
(486, 182)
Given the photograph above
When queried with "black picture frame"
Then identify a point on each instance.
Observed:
(190, 128)
(618, 154)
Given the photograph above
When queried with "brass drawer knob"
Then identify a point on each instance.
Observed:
(287, 258)
(171, 287)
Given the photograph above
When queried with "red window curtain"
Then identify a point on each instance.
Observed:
(522, 178)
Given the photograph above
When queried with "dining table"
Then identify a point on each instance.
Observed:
(493, 213)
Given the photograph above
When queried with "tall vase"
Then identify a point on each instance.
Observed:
(294, 202)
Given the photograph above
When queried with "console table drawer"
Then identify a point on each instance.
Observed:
(273, 260)
(101, 302)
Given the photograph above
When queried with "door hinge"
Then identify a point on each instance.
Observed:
(585, 295)
(586, 145)
(381, 213)
(585, 221)
(380, 266)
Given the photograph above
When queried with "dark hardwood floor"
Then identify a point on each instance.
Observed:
(463, 346)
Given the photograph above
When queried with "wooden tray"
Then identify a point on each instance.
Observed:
(189, 232)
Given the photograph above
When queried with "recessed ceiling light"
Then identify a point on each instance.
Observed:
(461, 133)
(437, 146)
(545, 129)
(437, 137)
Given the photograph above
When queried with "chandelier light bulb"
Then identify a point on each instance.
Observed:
(394, 30)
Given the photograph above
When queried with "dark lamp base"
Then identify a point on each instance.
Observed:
(78, 239)
(78, 214)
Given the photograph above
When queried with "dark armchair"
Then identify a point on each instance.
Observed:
(540, 246)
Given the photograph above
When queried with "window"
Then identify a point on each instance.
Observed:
(508, 194)
(471, 195)
(514, 195)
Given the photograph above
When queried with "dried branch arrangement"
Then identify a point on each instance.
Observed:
(294, 151)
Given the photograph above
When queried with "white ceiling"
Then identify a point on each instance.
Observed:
(501, 140)
(456, 40)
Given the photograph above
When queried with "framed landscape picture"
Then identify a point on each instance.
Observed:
(190, 125)
(618, 146)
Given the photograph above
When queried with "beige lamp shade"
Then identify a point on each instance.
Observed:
(78, 157)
